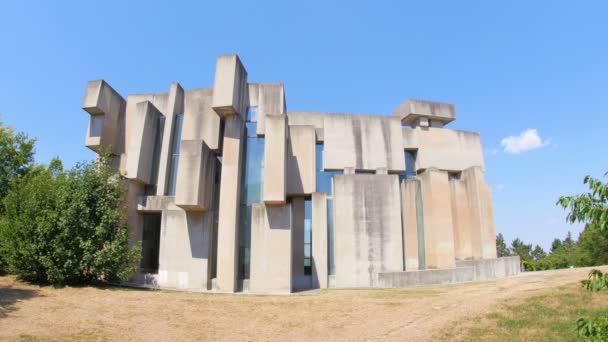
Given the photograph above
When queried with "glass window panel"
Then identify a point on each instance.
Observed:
(330, 236)
(96, 125)
(251, 187)
(252, 114)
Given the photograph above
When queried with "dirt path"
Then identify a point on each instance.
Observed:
(338, 315)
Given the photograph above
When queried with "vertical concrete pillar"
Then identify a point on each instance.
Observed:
(275, 157)
(271, 235)
(230, 186)
(461, 216)
(134, 219)
(320, 271)
(410, 223)
(175, 105)
(483, 238)
(185, 249)
(140, 149)
(297, 240)
(438, 225)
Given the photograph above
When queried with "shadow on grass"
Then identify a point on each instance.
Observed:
(9, 296)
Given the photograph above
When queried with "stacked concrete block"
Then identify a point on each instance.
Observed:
(368, 236)
(275, 160)
(301, 161)
(200, 120)
(465, 236)
(482, 217)
(185, 249)
(411, 224)
(140, 148)
(444, 149)
(230, 192)
(271, 101)
(412, 111)
(175, 106)
(195, 176)
(271, 249)
(107, 109)
(320, 243)
(363, 143)
(230, 87)
(438, 224)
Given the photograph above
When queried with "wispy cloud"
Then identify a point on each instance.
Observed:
(526, 141)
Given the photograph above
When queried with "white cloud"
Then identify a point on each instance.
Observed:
(526, 141)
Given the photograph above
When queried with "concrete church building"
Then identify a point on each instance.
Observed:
(228, 191)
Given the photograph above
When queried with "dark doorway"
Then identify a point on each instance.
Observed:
(150, 243)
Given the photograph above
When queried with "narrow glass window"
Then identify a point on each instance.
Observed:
(410, 165)
(308, 237)
(251, 187)
(176, 140)
(331, 265)
(96, 125)
(150, 189)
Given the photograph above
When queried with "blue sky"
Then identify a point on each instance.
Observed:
(509, 66)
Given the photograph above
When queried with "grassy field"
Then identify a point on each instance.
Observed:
(533, 306)
(548, 317)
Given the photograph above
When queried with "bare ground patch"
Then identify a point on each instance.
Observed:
(89, 313)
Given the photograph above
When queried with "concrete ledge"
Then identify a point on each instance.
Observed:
(468, 270)
(427, 277)
(486, 269)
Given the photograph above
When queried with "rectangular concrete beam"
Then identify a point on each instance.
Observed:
(363, 142)
(230, 86)
(412, 110)
(175, 106)
(367, 234)
(275, 155)
(195, 176)
(320, 271)
(410, 224)
(464, 239)
(140, 149)
(301, 161)
(200, 120)
(230, 194)
(271, 235)
(444, 149)
(185, 255)
(479, 196)
(271, 101)
(438, 224)
(107, 109)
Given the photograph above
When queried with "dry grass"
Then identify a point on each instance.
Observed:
(106, 313)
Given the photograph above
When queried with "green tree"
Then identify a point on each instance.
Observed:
(16, 157)
(556, 244)
(518, 247)
(538, 253)
(68, 227)
(590, 208)
(501, 246)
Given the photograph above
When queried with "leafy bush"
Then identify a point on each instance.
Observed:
(67, 227)
(597, 328)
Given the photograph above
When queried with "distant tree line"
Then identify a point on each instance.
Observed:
(590, 249)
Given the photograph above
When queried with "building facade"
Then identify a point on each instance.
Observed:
(228, 191)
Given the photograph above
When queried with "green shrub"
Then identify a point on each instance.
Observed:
(597, 329)
(67, 227)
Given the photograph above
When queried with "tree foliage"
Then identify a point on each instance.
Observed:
(16, 157)
(590, 208)
(67, 227)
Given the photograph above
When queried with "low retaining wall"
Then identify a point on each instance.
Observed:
(469, 270)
